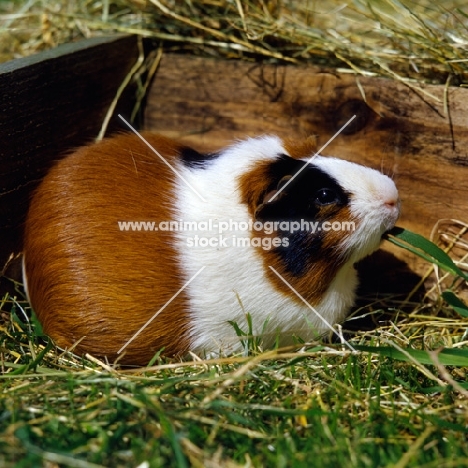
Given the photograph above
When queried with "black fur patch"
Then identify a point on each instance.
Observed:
(306, 198)
(195, 160)
(298, 256)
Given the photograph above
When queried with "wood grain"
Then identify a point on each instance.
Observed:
(418, 136)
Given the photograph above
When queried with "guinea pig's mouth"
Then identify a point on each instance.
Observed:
(394, 231)
(386, 233)
(388, 223)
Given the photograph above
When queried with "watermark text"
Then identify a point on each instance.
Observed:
(220, 227)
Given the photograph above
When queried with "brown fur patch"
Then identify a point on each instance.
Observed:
(253, 186)
(87, 279)
(298, 149)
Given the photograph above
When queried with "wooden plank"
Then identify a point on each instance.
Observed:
(406, 132)
(51, 102)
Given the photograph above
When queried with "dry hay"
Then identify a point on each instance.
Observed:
(419, 40)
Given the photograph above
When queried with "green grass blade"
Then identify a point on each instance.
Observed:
(34, 363)
(425, 249)
(237, 329)
(447, 357)
(458, 305)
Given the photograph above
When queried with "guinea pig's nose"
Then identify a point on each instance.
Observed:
(391, 206)
(389, 195)
(392, 202)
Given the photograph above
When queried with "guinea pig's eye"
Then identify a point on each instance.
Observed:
(326, 196)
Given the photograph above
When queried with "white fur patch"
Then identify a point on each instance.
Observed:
(234, 281)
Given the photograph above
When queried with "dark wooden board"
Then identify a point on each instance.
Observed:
(50, 103)
(418, 136)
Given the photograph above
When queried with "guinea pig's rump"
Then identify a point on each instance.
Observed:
(96, 268)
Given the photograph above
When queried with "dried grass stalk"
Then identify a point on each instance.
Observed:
(423, 41)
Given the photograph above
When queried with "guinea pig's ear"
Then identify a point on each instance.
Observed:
(268, 208)
(280, 200)
(297, 189)
(279, 191)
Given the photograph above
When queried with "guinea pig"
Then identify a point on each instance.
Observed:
(133, 245)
